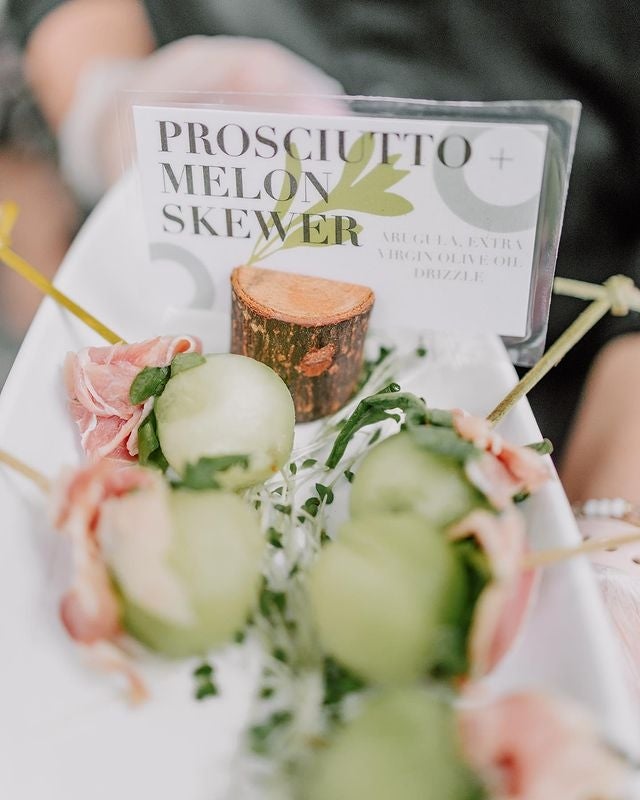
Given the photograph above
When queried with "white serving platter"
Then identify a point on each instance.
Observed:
(65, 731)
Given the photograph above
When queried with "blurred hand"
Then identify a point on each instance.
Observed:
(92, 150)
(617, 569)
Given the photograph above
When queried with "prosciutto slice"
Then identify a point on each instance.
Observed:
(503, 470)
(98, 380)
(532, 746)
(502, 606)
(90, 610)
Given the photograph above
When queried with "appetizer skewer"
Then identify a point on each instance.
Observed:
(419, 552)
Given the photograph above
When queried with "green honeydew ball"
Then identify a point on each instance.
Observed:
(188, 582)
(402, 746)
(398, 475)
(385, 595)
(230, 405)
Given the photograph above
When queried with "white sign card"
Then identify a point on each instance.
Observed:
(438, 217)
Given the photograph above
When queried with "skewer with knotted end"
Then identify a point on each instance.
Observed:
(618, 294)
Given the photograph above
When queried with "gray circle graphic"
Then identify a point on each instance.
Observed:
(204, 290)
(465, 204)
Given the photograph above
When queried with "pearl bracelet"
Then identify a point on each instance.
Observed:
(610, 507)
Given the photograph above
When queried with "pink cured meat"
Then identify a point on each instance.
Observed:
(503, 470)
(98, 380)
(90, 610)
(503, 604)
(531, 746)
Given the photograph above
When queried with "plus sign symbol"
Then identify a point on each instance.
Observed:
(505, 169)
(500, 159)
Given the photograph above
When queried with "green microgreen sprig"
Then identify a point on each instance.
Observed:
(297, 687)
(205, 681)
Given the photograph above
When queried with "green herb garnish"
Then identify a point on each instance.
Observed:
(339, 682)
(545, 447)
(324, 493)
(150, 382)
(311, 506)
(205, 685)
(184, 361)
(376, 408)
(259, 734)
(149, 451)
(274, 537)
(202, 474)
(271, 602)
(280, 655)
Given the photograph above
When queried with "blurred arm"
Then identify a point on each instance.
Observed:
(71, 37)
(603, 453)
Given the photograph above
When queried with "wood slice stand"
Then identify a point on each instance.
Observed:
(311, 331)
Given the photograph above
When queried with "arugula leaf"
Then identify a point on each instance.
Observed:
(202, 474)
(377, 408)
(184, 361)
(444, 441)
(440, 417)
(431, 429)
(451, 646)
(149, 382)
(149, 451)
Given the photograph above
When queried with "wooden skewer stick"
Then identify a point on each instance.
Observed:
(556, 555)
(8, 216)
(618, 295)
(41, 481)
(624, 294)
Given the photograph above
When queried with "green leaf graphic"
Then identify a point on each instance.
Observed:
(356, 191)
(370, 194)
